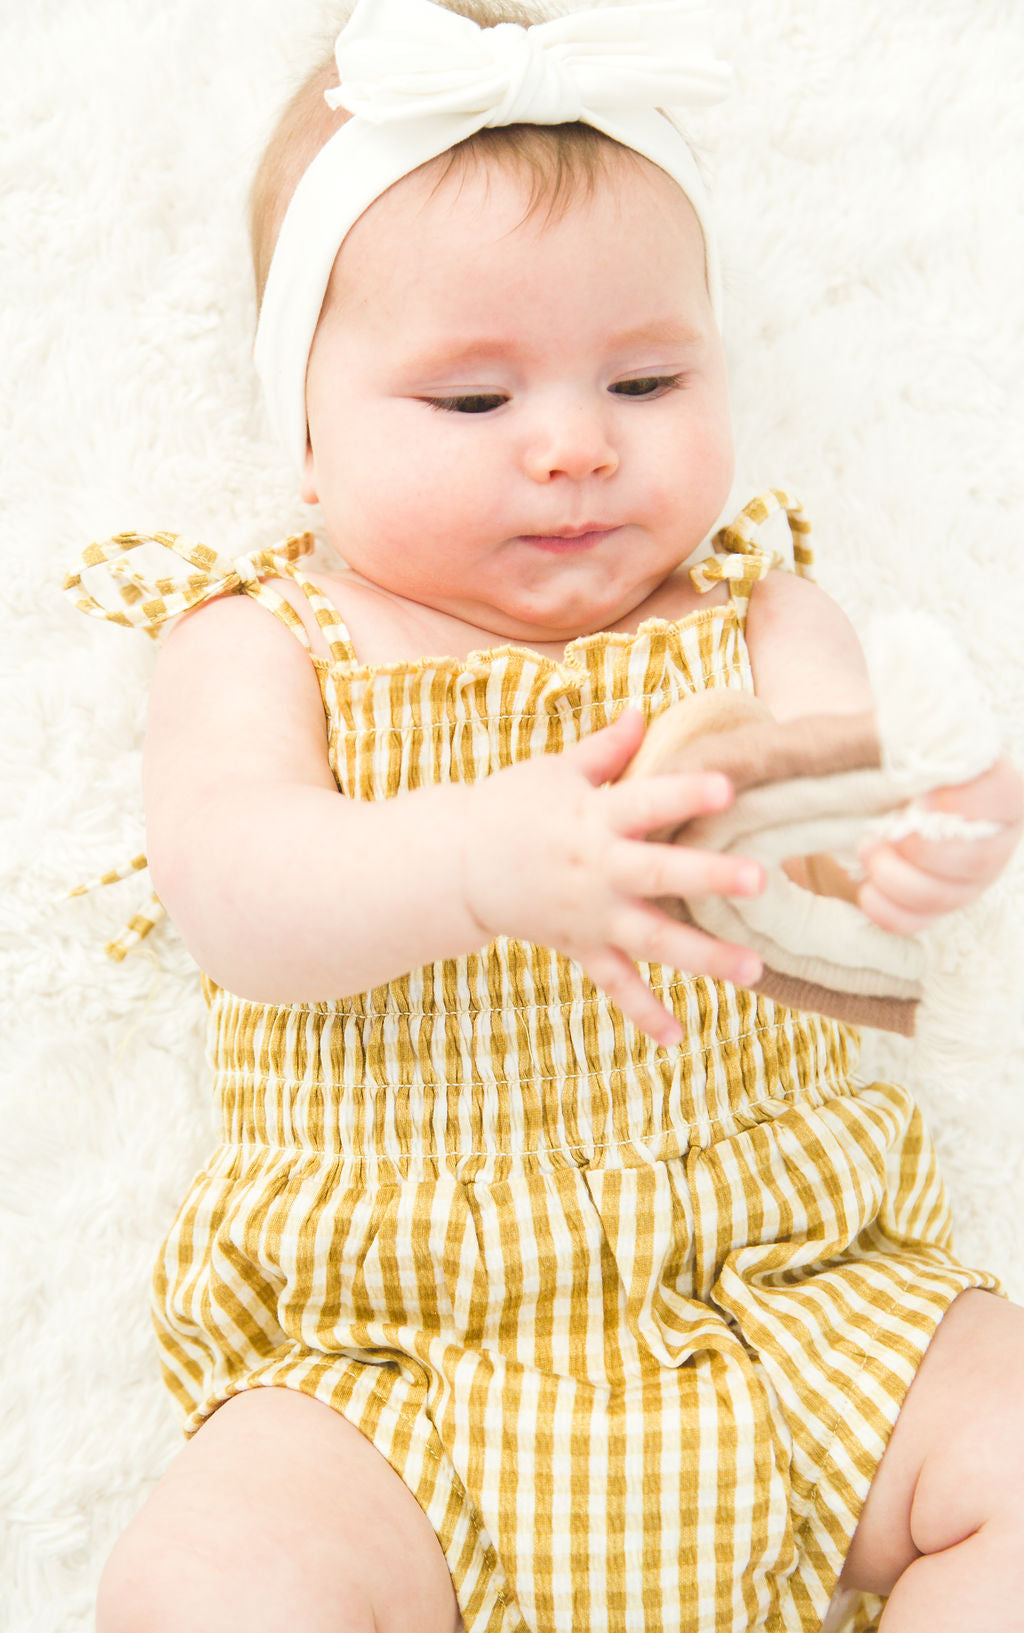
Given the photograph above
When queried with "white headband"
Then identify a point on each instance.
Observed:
(418, 79)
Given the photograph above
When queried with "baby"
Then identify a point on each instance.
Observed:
(547, 1277)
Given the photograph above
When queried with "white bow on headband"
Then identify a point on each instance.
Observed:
(395, 56)
(419, 79)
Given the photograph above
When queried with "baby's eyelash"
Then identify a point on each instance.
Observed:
(485, 402)
(649, 385)
(470, 403)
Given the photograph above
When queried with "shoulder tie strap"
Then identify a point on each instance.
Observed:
(141, 581)
(140, 923)
(141, 599)
(739, 561)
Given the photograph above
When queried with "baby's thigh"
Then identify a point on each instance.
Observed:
(955, 1459)
(278, 1513)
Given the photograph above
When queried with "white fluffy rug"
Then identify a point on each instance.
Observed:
(869, 183)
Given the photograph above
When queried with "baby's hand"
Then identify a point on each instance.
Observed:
(910, 884)
(555, 854)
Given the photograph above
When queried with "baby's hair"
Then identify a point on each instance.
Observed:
(559, 161)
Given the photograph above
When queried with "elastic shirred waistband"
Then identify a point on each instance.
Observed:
(568, 1079)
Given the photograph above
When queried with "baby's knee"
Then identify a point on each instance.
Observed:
(278, 1513)
(155, 1585)
(955, 1462)
(972, 1473)
(141, 1589)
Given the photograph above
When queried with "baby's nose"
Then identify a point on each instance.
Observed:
(573, 440)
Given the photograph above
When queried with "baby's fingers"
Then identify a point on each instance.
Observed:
(648, 934)
(889, 915)
(632, 808)
(642, 868)
(900, 896)
(645, 934)
(612, 971)
(998, 794)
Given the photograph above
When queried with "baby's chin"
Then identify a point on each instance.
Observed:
(548, 600)
(565, 610)
(560, 622)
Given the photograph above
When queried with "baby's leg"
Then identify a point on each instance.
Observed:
(278, 1513)
(943, 1526)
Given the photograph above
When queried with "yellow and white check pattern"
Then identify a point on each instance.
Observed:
(632, 1323)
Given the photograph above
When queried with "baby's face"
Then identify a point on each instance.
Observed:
(520, 423)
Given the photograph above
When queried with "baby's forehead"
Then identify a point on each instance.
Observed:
(531, 314)
(474, 210)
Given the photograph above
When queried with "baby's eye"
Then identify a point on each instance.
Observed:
(471, 403)
(647, 385)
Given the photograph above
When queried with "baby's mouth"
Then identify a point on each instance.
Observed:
(568, 541)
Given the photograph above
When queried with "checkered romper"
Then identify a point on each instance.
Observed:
(633, 1323)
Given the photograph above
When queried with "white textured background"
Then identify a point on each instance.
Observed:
(869, 181)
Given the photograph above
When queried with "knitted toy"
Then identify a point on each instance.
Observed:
(817, 787)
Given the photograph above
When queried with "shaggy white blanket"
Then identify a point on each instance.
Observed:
(868, 179)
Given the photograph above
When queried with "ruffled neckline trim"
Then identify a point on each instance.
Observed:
(480, 661)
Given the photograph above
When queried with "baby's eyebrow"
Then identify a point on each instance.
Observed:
(668, 332)
(477, 350)
(492, 348)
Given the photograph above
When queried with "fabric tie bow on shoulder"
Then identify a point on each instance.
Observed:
(397, 57)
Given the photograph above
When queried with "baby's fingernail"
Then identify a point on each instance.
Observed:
(749, 970)
(748, 881)
(719, 790)
(669, 1034)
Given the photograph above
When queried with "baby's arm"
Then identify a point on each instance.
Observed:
(286, 891)
(806, 658)
(260, 863)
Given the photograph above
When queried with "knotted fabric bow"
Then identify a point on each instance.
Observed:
(397, 55)
(419, 79)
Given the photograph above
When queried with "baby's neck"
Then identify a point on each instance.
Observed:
(388, 628)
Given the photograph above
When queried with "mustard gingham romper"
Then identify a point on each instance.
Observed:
(633, 1323)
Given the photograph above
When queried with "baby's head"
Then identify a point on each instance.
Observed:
(497, 357)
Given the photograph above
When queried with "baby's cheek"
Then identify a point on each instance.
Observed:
(692, 470)
(689, 505)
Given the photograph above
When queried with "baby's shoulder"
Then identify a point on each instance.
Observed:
(292, 592)
(804, 652)
(331, 587)
(784, 602)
